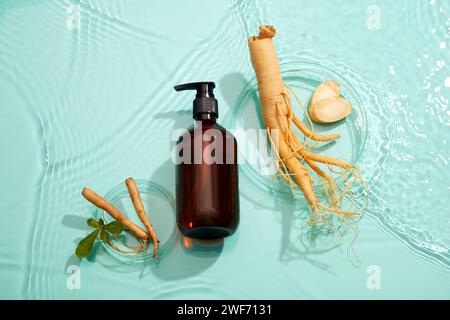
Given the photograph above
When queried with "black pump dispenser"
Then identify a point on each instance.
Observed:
(205, 103)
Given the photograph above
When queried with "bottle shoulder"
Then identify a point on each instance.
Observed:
(205, 126)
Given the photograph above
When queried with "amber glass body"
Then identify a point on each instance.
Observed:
(207, 194)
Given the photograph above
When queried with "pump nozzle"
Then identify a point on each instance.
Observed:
(205, 102)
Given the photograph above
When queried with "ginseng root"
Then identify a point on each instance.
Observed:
(139, 207)
(103, 204)
(295, 162)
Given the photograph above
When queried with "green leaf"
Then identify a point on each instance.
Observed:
(93, 223)
(84, 247)
(101, 222)
(104, 236)
(114, 227)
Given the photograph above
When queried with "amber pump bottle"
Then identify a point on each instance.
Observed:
(207, 195)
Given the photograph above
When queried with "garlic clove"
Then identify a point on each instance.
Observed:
(334, 85)
(327, 105)
(330, 110)
(325, 90)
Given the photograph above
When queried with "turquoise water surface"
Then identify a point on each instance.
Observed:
(86, 98)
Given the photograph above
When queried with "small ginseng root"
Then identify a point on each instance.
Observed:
(139, 207)
(327, 105)
(142, 236)
(295, 162)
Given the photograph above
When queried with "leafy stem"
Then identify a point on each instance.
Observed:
(102, 232)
